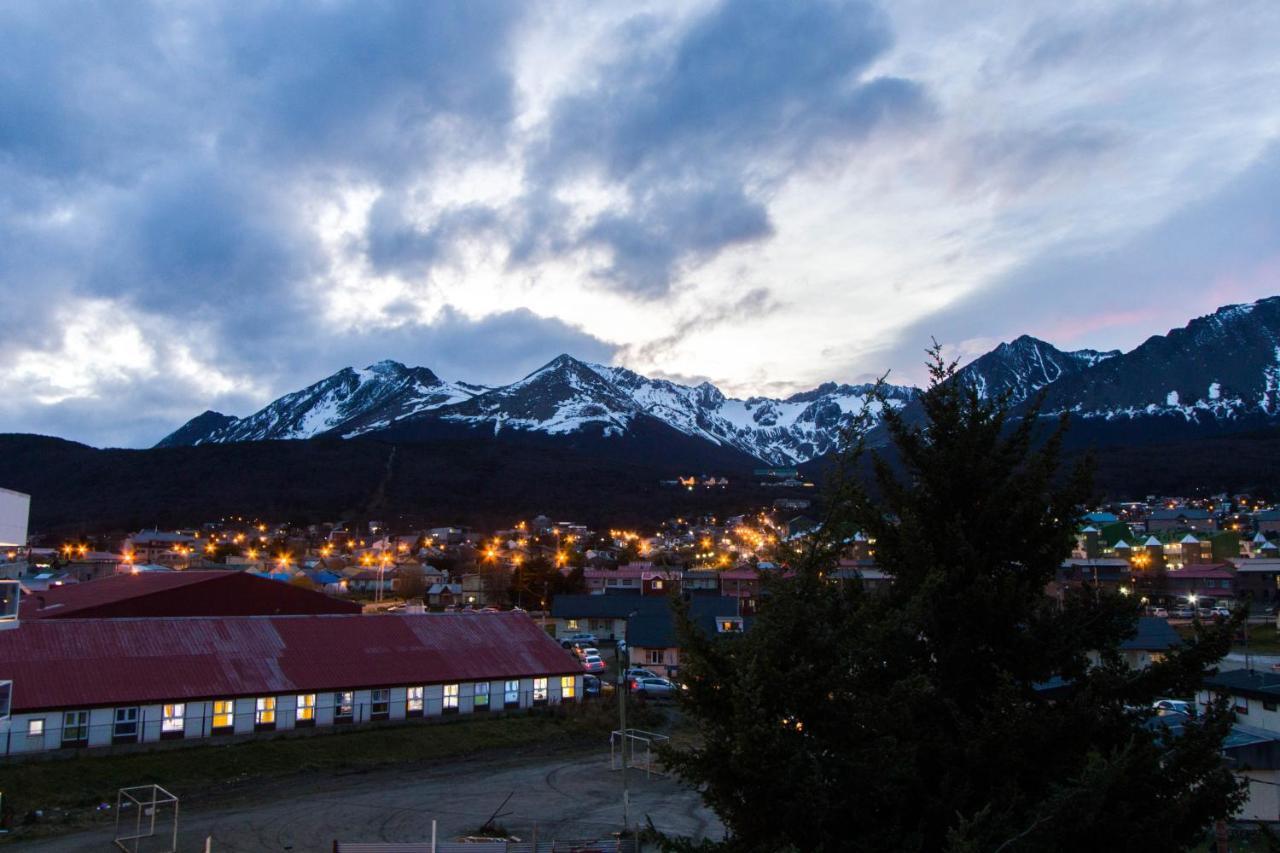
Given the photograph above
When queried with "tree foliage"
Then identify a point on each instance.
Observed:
(918, 718)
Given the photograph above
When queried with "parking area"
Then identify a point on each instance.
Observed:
(567, 797)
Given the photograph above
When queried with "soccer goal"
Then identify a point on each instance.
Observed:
(635, 747)
(146, 820)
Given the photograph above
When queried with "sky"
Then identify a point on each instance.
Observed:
(204, 206)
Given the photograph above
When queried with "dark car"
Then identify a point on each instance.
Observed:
(653, 688)
(591, 685)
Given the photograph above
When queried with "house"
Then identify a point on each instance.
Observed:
(1112, 573)
(1253, 747)
(1258, 579)
(1267, 521)
(372, 580)
(81, 683)
(444, 594)
(645, 577)
(91, 565)
(155, 546)
(1154, 639)
(1181, 518)
(651, 635)
(174, 594)
(605, 616)
(1211, 582)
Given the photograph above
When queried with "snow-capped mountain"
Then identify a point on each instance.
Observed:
(1220, 371)
(1025, 365)
(350, 402)
(1218, 368)
(564, 396)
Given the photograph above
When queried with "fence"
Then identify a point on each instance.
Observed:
(105, 730)
(610, 845)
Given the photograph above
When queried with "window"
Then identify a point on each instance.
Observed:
(539, 690)
(380, 704)
(344, 706)
(511, 694)
(413, 702)
(172, 720)
(571, 624)
(306, 713)
(450, 697)
(566, 687)
(482, 696)
(657, 584)
(75, 728)
(224, 713)
(126, 725)
(264, 713)
(729, 625)
(655, 655)
(35, 728)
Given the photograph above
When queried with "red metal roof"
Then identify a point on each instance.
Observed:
(188, 593)
(73, 663)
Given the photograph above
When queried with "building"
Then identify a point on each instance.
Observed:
(163, 548)
(1208, 583)
(1181, 518)
(605, 616)
(1154, 639)
(644, 577)
(81, 683)
(1253, 747)
(1111, 573)
(173, 594)
(651, 635)
(15, 510)
(1267, 521)
(1258, 579)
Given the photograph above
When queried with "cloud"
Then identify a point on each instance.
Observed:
(696, 130)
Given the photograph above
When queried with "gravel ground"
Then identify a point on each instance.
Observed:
(567, 796)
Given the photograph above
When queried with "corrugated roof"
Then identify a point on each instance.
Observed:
(224, 593)
(70, 663)
(657, 629)
(1154, 635)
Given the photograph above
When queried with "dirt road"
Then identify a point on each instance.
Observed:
(573, 796)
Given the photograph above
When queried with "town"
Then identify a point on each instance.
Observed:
(213, 633)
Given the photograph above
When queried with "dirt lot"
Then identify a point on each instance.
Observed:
(570, 795)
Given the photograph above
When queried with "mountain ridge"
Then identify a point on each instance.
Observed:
(1221, 370)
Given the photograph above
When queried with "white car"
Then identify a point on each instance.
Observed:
(593, 663)
(585, 652)
(1162, 612)
(1163, 707)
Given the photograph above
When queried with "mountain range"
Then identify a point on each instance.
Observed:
(1220, 373)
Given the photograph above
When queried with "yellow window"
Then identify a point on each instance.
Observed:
(307, 706)
(566, 687)
(224, 711)
(265, 712)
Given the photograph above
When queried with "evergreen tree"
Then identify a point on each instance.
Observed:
(918, 717)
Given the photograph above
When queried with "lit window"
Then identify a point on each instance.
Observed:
(657, 584)
(264, 713)
(451, 697)
(539, 690)
(511, 695)
(566, 687)
(571, 624)
(482, 695)
(126, 723)
(306, 708)
(171, 718)
(344, 705)
(413, 703)
(35, 728)
(224, 711)
(380, 702)
(729, 625)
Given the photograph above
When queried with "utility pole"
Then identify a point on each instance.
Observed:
(622, 724)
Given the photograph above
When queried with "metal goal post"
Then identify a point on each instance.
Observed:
(635, 746)
(146, 820)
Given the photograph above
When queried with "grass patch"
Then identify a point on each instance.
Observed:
(1263, 640)
(69, 790)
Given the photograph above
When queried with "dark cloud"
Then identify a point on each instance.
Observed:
(697, 134)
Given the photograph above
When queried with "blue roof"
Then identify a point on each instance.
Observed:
(323, 577)
(1154, 635)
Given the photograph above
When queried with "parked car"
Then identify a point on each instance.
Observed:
(1174, 706)
(1204, 612)
(1161, 612)
(593, 663)
(1224, 612)
(1183, 613)
(591, 685)
(585, 652)
(589, 639)
(640, 672)
(653, 688)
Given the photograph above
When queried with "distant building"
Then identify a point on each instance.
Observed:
(651, 635)
(1181, 518)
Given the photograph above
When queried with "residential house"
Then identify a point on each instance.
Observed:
(1181, 518)
(605, 616)
(1208, 583)
(651, 635)
(1258, 579)
(1252, 750)
(1267, 521)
